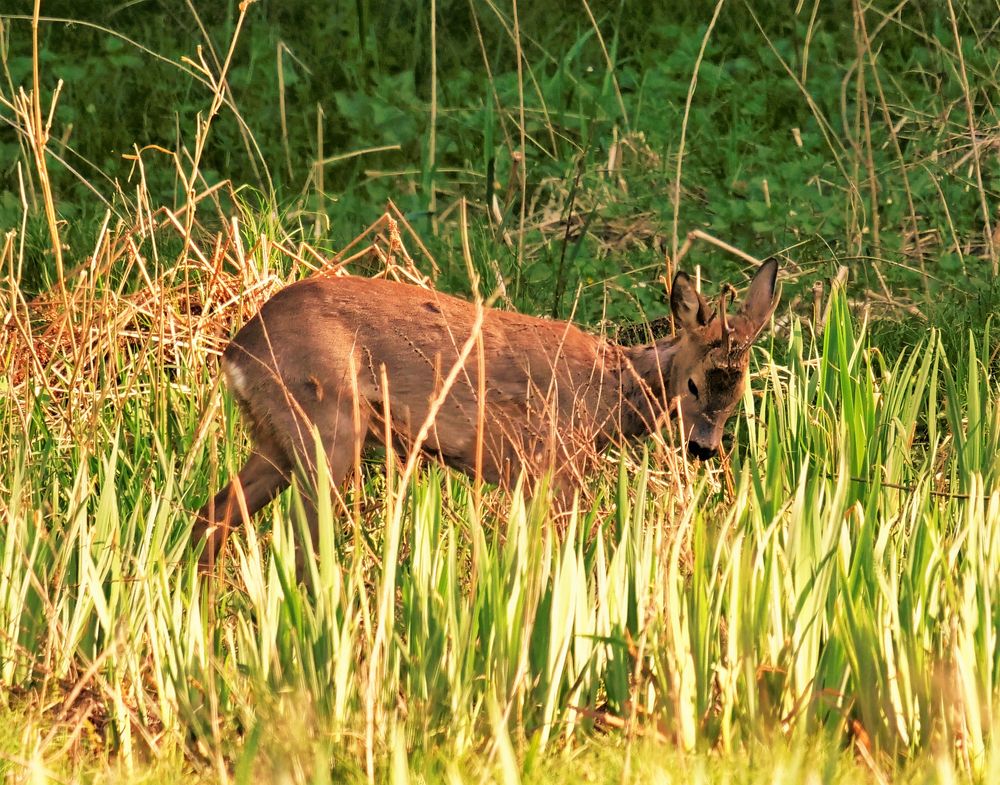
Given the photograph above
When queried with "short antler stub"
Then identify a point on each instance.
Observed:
(727, 331)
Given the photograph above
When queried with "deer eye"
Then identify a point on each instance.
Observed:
(693, 387)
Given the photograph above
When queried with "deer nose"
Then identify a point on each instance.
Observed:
(700, 451)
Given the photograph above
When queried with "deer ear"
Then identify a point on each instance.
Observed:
(761, 299)
(689, 308)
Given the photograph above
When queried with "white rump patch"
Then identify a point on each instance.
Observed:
(235, 378)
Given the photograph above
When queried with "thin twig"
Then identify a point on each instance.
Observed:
(684, 124)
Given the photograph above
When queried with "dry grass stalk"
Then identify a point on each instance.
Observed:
(95, 346)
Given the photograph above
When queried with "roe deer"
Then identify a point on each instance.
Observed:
(337, 354)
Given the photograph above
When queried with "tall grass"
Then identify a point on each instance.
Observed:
(845, 588)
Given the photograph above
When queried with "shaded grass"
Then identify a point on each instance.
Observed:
(851, 147)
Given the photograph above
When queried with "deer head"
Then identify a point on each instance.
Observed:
(709, 363)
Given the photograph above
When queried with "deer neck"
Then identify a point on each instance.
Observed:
(645, 384)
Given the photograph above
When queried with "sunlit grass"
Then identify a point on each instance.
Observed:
(844, 589)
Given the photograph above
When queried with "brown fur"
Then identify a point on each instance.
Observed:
(335, 354)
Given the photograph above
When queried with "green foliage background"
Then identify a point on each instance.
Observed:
(777, 102)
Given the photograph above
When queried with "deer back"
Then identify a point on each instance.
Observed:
(552, 391)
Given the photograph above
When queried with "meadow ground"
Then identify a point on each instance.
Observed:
(817, 607)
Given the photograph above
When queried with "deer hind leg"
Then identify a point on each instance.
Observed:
(342, 431)
(265, 475)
